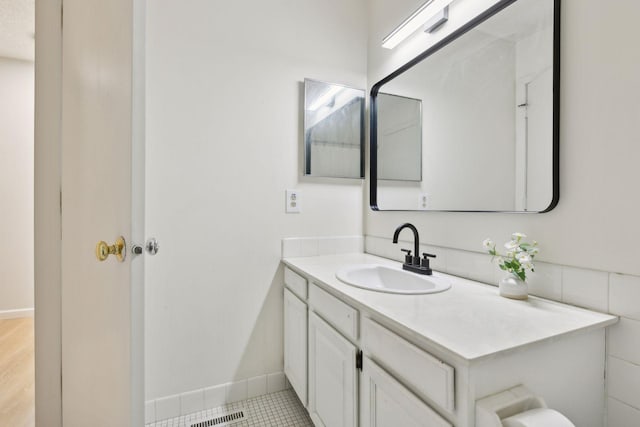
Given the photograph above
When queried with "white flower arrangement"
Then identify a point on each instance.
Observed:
(518, 257)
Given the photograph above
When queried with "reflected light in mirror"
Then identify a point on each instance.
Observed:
(326, 98)
(414, 22)
(332, 104)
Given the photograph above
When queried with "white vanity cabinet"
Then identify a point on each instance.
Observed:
(363, 358)
(332, 376)
(429, 376)
(323, 364)
(386, 402)
(295, 344)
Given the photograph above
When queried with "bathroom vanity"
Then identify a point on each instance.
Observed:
(357, 357)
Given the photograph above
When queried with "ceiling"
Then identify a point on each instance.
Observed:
(17, 29)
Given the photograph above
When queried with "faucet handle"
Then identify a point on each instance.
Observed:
(408, 259)
(425, 262)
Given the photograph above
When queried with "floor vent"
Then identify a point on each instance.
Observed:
(221, 420)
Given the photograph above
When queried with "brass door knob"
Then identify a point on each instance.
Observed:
(119, 249)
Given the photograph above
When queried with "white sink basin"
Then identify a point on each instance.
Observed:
(381, 278)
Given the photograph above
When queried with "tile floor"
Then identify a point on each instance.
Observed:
(282, 409)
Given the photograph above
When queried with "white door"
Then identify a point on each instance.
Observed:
(387, 403)
(295, 344)
(332, 376)
(101, 303)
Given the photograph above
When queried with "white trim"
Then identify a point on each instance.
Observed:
(47, 219)
(188, 402)
(137, 210)
(15, 314)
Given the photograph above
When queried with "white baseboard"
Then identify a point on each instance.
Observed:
(189, 402)
(15, 314)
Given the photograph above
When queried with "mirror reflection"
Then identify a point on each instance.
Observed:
(399, 138)
(487, 120)
(333, 130)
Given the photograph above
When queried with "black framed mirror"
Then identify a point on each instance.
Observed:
(489, 95)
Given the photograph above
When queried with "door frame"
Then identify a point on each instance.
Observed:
(47, 213)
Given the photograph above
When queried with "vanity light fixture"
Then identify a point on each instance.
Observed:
(438, 19)
(433, 13)
(325, 98)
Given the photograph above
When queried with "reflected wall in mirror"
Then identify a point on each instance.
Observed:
(333, 130)
(399, 138)
(489, 137)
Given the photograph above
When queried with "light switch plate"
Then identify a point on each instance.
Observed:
(293, 201)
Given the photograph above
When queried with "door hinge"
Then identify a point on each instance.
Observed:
(359, 360)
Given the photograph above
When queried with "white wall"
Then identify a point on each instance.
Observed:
(224, 129)
(16, 185)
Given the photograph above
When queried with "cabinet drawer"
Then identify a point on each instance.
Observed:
(341, 315)
(384, 402)
(425, 374)
(295, 282)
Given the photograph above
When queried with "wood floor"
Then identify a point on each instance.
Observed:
(17, 373)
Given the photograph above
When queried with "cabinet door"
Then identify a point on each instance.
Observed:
(295, 344)
(332, 376)
(385, 402)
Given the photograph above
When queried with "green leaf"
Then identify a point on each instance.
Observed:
(513, 264)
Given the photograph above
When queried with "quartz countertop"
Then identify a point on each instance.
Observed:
(470, 320)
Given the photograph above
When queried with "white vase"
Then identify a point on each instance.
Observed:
(513, 287)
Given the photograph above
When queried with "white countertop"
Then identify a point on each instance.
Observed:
(470, 320)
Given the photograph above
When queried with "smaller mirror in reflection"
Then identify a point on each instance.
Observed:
(399, 138)
(333, 130)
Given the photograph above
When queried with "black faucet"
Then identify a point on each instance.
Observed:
(413, 263)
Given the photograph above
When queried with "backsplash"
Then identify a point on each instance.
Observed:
(314, 246)
(602, 291)
(576, 286)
